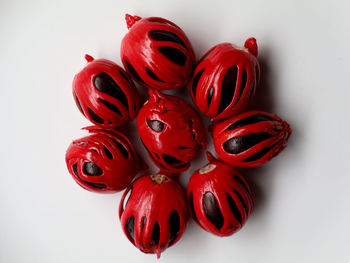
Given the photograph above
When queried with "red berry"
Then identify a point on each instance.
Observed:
(219, 197)
(157, 53)
(153, 213)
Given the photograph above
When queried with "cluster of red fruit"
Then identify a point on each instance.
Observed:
(154, 210)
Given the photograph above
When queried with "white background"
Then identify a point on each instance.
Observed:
(302, 197)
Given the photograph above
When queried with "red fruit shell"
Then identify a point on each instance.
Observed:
(250, 139)
(103, 162)
(225, 80)
(219, 197)
(171, 130)
(105, 94)
(157, 53)
(153, 213)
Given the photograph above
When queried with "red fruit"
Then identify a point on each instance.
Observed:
(219, 197)
(104, 161)
(225, 79)
(105, 94)
(171, 130)
(250, 139)
(154, 215)
(157, 53)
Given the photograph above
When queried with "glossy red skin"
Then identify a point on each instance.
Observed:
(277, 127)
(177, 132)
(216, 62)
(220, 181)
(86, 95)
(153, 202)
(142, 52)
(117, 172)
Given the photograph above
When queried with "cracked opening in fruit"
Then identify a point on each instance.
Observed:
(243, 143)
(95, 117)
(156, 233)
(95, 185)
(110, 106)
(241, 199)
(212, 210)
(210, 95)
(133, 72)
(129, 227)
(92, 169)
(192, 207)
(174, 222)
(161, 35)
(183, 147)
(106, 84)
(156, 155)
(195, 82)
(234, 208)
(174, 55)
(79, 105)
(155, 125)
(240, 181)
(122, 73)
(249, 120)
(243, 84)
(108, 152)
(126, 198)
(152, 75)
(228, 88)
(258, 155)
(121, 148)
(170, 159)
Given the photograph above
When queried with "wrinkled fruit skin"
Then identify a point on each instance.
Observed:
(219, 198)
(225, 79)
(250, 139)
(105, 94)
(171, 130)
(157, 53)
(153, 213)
(103, 162)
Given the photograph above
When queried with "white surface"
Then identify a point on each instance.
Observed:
(302, 197)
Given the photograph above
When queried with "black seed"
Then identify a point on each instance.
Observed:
(242, 143)
(174, 55)
(241, 182)
(152, 75)
(241, 198)
(170, 159)
(155, 125)
(258, 155)
(228, 88)
(95, 117)
(132, 71)
(129, 227)
(121, 148)
(156, 234)
(249, 120)
(210, 95)
(174, 222)
(161, 35)
(110, 106)
(212, 210)
(92, 169)
(192, 207)
(243, 83)
(234, 208)
(108, 153)
(195, 82)
(106, 84)
(96, 185)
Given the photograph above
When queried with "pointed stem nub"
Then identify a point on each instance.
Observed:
(251, 45)
(89, 58)
(131, 20)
